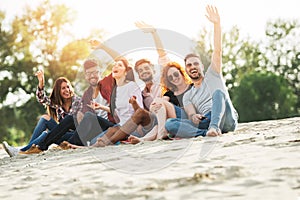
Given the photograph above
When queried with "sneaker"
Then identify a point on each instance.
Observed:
(34, 149)
(12, 151)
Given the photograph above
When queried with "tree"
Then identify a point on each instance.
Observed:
(283, 51)
(263, 95)
(38, 38)
(279, 53)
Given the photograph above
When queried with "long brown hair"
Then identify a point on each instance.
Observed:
(55, 96)
(166, 84)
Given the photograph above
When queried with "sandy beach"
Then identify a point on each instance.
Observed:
(261, 160)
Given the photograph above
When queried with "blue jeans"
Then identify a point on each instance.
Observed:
(42, 136)
(222, 117)
(40, 132)
(185, 128)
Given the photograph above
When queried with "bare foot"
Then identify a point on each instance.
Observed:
(73, 146)
(213, 132)
(99, 143)
(134, 104)
(133, 139)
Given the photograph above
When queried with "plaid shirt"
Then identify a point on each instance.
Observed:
(60, 112)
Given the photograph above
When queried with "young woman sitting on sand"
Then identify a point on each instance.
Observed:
(61, 102)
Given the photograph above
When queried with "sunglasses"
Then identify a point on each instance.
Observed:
(175, 74)
(194, 63)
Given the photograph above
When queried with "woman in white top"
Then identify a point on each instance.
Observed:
(121, 109)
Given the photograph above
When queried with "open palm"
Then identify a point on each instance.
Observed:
(212, 14)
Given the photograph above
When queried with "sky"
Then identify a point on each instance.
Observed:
(186, 17)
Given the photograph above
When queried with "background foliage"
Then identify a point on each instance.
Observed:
(262, 76)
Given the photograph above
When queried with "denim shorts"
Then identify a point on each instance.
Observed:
(180, 113)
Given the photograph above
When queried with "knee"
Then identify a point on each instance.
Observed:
(46, 117)
(218, 94)
(171, 125)
(89, 115)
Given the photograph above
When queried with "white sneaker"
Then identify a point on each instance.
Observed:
(12, 151)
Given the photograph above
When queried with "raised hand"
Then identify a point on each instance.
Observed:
(94, 43)
(40, 76)
(212, 14)
(146, 28)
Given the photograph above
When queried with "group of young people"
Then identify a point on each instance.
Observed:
(176, 102)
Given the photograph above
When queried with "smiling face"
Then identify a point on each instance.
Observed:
(174, 76)
(194, 68)
(92, 75)
(145, 72)
(119, 70)
(65, 90)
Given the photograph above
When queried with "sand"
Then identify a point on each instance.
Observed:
(261, 160)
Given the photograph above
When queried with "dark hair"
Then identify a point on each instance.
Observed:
(190, 56)
(142, 61)
(89, 64)
(166, 84)
(55, 96)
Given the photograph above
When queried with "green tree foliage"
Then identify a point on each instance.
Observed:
(37, 39)
(263, 95)
(283, 51)
(15, 81)
(278, 53)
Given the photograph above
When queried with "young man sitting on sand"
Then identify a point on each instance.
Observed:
(208, 95)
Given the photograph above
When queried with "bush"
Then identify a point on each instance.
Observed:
(263, 96)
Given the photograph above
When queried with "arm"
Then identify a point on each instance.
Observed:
(40, 92)
(192, 115)
(96, 44)
(213, 16)
(146, 28)
(190, 111)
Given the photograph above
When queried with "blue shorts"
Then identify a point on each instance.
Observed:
(180, 113)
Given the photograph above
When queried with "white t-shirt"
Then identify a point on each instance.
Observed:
(99, 99)
(124, 109)
(201, 97)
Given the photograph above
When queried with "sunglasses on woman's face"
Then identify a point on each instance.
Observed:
(175, 74)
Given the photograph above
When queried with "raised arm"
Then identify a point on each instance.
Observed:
(213, 16)
(146, 28)
(40, 92)
(96, 44)
(40, 76)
